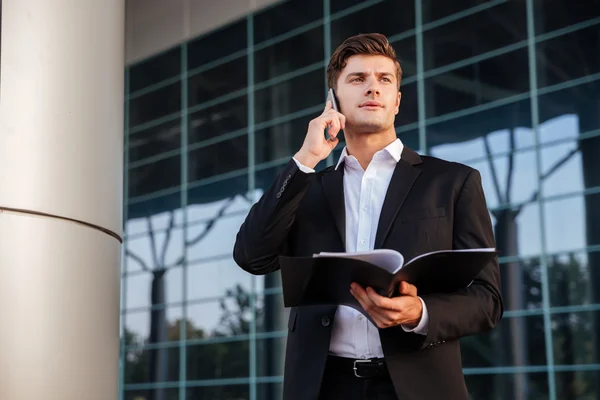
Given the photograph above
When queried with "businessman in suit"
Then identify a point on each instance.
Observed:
(379, 194)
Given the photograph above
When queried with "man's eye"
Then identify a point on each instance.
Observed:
(387, 79)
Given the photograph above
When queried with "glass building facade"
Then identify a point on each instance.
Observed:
(511, 88)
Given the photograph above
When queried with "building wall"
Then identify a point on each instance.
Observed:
(507, 87)
(156, 25)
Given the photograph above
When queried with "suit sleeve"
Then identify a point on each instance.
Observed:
(263, 234)
(479, 307)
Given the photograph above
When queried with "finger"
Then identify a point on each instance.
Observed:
(334, 125)
(328, 106)
(332, 142)
(384, 303)
(407, 289)
(367, 304)
(372, 311)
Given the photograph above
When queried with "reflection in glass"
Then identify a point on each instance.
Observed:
(140, 285)
(536, 385)
(148, 393)
(569, 279)
(579, 385)
(566, 224)
(483, 82)
(479, 33)
(214, 277)
(517, 341)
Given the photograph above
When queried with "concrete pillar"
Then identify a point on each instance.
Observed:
(61, 178)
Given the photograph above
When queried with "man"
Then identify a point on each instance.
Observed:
(380, 194)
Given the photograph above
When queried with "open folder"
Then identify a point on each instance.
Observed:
(325, 278)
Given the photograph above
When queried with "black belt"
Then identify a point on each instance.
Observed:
(364, 369)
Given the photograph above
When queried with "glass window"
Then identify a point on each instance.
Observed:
(475, 34)
(388, 17)
(156, 104)
(290, 96)
(409, 106)
(155, 140)
(214, 277)
(227, 391)
(226, 117)
(483, 82)
(217, 82)
(219, 361)
(575, 384)
(582, 213)
(218, 158)
(505, 384)
(139, 285)
(289, 55)
(574, 335)
(556, 14)
(437, 9)
(155, 69)
(570, 56)
(282, 140)
(150, 393)
(285, 16)
(210, 195)
(503, 347)
(149, 178)
(139, 369)
(571, 278)
(496, 123)
(217, 44)
(137, 325)
(139, 209)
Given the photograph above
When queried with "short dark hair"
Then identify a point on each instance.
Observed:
(367, 43)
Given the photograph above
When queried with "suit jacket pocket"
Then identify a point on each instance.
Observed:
(423, 213)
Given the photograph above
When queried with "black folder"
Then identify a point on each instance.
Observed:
(325, 279)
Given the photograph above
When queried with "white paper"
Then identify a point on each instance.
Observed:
(389, 260)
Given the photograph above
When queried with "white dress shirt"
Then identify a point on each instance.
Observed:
(354, 336)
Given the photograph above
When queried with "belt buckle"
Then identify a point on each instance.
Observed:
(355, 368)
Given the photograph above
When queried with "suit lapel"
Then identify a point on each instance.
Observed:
(333, 186)
(403, 178)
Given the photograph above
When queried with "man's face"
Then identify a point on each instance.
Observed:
(367, 90)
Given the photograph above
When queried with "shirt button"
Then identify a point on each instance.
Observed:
(365, 208)
(363, 242)
(325, 321)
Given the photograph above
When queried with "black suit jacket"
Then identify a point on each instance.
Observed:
(430, 205)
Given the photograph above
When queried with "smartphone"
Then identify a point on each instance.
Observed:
(331, 97)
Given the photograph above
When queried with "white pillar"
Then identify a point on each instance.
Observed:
(61, 169)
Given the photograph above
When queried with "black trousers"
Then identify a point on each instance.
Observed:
(340, 383)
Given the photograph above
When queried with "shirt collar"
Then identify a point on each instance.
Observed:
(394, 149)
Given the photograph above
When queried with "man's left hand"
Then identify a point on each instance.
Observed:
(386, 312)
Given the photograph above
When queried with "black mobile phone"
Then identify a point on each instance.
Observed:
(331, 97)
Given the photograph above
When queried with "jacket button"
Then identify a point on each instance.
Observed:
(325, 321)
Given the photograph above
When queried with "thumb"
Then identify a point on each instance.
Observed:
(408, 289)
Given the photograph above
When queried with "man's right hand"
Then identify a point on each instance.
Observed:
(315, 147)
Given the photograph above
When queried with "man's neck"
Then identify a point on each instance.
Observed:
(364, 145)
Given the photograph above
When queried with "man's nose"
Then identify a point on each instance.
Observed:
(373, 88)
